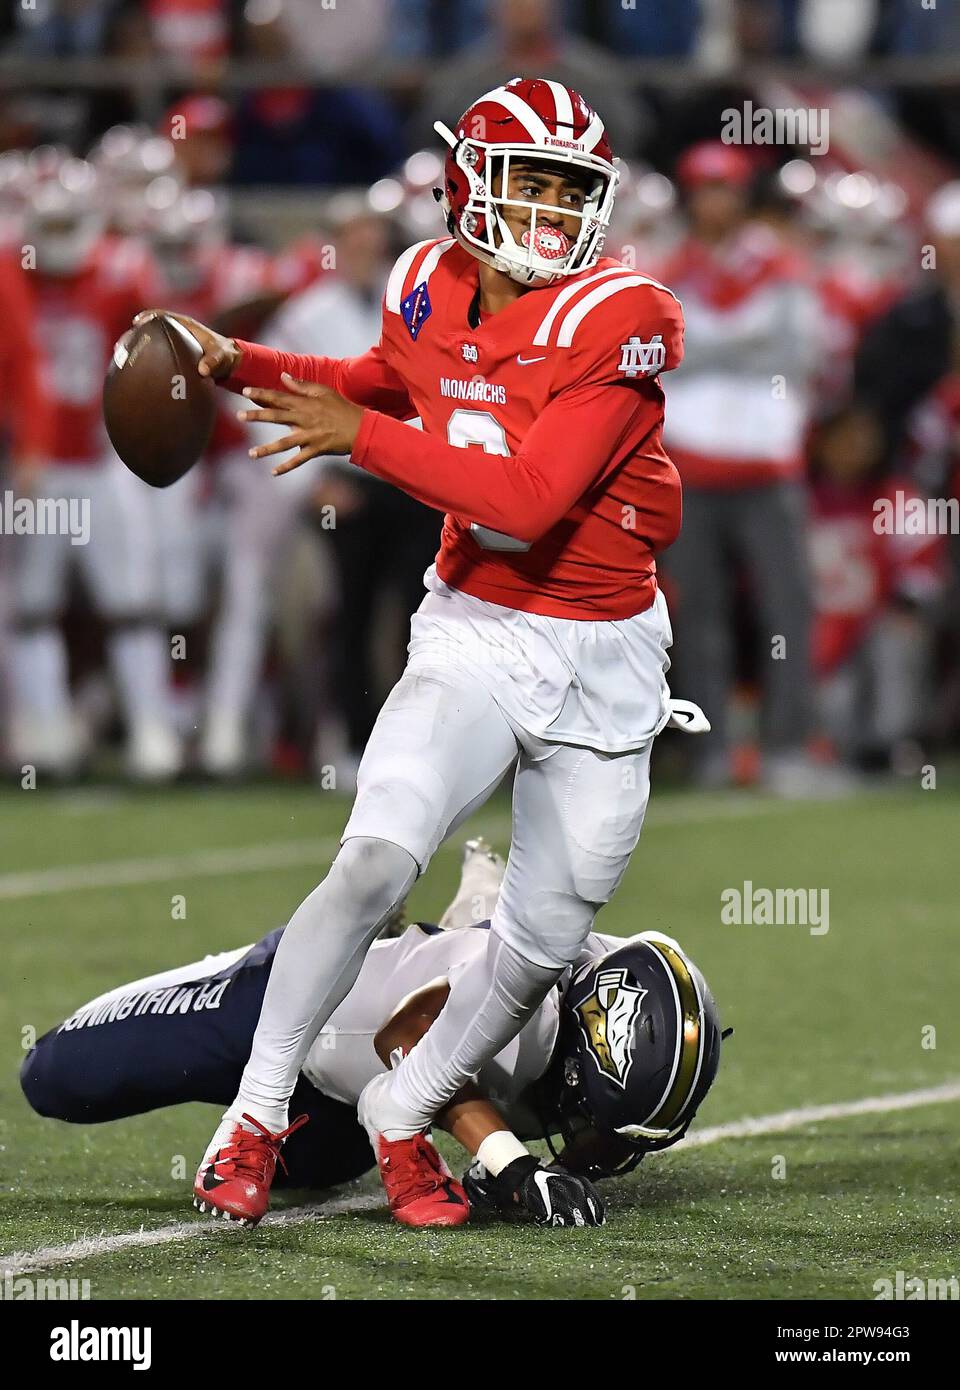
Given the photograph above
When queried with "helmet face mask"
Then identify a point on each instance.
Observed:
(64, 218)
(542, 256)
(187, 233)
(577, 1122)
(478, 172)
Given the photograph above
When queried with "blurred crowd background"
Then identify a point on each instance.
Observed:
(259, 163)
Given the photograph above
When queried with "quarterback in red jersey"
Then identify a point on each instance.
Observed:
(542, 641)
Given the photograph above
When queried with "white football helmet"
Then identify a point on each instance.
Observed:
(128, 159)
(64, 217)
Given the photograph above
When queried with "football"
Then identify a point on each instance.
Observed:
(158, 411)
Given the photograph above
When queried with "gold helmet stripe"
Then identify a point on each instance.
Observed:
(690, 1007)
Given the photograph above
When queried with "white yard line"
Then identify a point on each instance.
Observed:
(203, 863)
(813, 1114)
(31, 1261)
(294, 854)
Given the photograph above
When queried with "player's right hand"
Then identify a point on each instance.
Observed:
(552, 1196)
(221, 356)
(555, 1197)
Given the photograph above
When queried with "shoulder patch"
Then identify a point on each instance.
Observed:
(416, 309)
(423, 258)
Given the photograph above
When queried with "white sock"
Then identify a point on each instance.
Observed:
(221, 1135)
(38, 674)
(236, 657)
(138, 655)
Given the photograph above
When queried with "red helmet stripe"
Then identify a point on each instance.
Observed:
(521, 110)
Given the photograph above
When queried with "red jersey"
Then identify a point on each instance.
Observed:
(23, 413)
(558, 391)
(229, 275)
(301, 264)
(858, 568)
(851, 301)
(77, 320)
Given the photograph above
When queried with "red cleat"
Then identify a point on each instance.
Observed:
(420, 1187)
(234, 1179)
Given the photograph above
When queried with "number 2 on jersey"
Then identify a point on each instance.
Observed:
(467, 427)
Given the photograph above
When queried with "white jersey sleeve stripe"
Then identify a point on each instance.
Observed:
(590, 301)
(542, 334)
(394, 292)
(432, 259)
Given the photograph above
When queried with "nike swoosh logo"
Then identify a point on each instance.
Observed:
(210, 1179)
(542, 1181)
(525, 361)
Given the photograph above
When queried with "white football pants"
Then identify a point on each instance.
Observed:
(439, 748)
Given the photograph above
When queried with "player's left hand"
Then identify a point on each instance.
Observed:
(320, 421)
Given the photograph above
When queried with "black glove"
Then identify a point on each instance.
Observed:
(552, 1196)
(484, 1195)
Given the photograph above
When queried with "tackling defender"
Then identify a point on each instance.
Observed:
(617, 1060)
(532, 363)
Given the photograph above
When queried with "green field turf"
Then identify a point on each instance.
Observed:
(818, 1019)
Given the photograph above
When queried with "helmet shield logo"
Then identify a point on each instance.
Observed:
(607, 1018)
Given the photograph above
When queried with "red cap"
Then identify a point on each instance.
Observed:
(714, 162)
(201, 114)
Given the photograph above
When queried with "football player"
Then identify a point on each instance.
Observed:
(128, 160)
(616, 1061)
(82, 286)
(533, 364)
(207, 275)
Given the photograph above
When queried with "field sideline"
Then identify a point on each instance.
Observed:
(87, 880)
